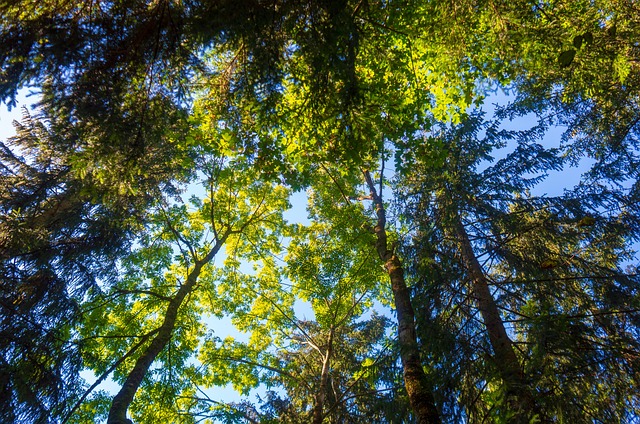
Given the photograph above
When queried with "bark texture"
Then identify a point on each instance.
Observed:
(415, 380)
(122, 400)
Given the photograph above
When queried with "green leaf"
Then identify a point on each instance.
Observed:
(577, 41)
(566, 58)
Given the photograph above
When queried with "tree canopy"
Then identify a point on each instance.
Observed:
(154, 191)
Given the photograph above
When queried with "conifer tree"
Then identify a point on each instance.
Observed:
(472, 227)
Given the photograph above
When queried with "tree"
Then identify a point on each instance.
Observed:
(335, 367)
(133, 93)
(415, 379)
(461, 215)
(57, 242)
(151, 313)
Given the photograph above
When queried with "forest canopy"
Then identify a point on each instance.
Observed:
(155, 190)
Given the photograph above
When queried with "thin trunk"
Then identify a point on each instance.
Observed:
(506, 359)
(122, 400)
(324, 381)
(415, 380)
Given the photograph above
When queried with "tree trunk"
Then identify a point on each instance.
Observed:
(324, 381)
(415, 380)
(506, 359)
(122, 400)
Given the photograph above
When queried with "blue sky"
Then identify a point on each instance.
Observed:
(6, 118)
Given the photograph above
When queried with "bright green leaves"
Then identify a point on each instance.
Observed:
(175, 254)
(230, 362)
(622, 65)
(338, 282)
(331, 261)
(305, 311)
(393, 77)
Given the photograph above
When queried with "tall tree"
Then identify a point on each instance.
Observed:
(58, 240)
(418, 387)
(464, 214)
(151, 314)
(335, 366)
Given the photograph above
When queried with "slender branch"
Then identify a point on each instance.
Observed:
(180, 238)
(337, 184)
(381, 176)
(148, 292)
(259, 365)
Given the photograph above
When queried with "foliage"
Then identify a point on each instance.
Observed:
(57, 242)
(550, 262)
(329, 276)
(172, 268)
(105, 268)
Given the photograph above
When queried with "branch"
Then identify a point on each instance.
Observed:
(106, 374)
(379, 230)
(381, 176)
(179, 237)
(344, 196)
(259, 365)
(148, 292)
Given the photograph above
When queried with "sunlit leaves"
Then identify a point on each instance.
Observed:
(329, 270)
(121, 322)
